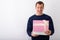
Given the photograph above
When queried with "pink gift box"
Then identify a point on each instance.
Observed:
(40, 26)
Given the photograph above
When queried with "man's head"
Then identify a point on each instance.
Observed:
(39, 7)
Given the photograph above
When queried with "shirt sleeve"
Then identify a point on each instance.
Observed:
(51, 26)
(29, 27)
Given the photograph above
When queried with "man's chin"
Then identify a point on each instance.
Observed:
(40, 12)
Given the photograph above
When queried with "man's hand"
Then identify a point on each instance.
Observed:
(48, 32)
(34, 35)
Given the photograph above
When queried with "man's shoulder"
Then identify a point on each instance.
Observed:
(31, 17)
(48, 16)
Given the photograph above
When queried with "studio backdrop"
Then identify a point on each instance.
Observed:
(14, 15)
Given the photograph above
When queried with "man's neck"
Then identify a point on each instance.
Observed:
(39, 14)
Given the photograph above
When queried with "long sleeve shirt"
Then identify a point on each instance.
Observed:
(41, 17)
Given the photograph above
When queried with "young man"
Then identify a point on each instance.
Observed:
(40, 16)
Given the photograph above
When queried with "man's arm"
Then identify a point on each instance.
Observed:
(51, 26)
(29, 27)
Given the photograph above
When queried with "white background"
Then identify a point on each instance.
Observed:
(14, 15)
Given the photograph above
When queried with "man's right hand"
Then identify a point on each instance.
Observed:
(34, 35)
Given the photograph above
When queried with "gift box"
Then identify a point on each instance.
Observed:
(40, 26)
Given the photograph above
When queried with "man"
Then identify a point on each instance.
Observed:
(40, 16)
